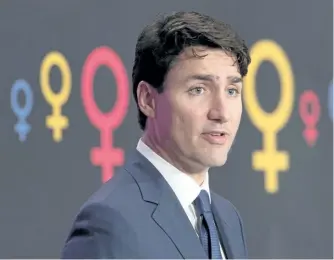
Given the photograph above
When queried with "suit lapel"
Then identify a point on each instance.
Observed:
(225, 230)
(168, 214)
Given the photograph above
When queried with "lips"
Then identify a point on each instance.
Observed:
(216, 134)
(216, 137)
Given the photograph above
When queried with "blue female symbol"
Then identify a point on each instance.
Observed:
(22, 128)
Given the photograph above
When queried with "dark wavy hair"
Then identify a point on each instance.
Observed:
(162, 41)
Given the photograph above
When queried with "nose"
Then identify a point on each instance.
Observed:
(219, 111)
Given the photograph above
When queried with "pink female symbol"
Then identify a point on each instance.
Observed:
(310, 116)
(105, 156)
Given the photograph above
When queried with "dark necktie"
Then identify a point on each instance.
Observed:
(208, 233)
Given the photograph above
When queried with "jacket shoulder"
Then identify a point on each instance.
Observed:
(119, 189)
(107, 207)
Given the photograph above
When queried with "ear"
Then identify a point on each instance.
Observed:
(145, 96)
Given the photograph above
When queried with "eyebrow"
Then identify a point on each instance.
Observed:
(213, 78)
(235, 79)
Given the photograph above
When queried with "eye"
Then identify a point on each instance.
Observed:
(233, 92)
(197, 91)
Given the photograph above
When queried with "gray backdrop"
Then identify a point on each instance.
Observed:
(44, 181)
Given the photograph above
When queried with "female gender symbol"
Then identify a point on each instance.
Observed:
(105, 156)
(269, 159)
(56, 121)
(310, 118)
(22, 127)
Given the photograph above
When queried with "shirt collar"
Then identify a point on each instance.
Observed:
(185, 188)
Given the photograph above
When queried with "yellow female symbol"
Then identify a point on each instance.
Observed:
(56, 121)
(269, 159)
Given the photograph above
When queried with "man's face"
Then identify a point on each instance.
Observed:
(198, 114)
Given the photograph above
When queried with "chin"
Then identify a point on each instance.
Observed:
(216, 161)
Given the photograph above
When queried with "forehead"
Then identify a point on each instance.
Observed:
(203, 60)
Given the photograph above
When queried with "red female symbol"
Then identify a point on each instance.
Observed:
(310, 116)
(105, 156)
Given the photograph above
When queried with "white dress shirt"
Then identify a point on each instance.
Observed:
(185, 188)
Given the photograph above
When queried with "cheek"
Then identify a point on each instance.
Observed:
(183, 117)
(174, 119)
(164, 117)
(186, 121)
(236, 115)
(238, 111)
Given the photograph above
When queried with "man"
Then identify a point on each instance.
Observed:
(187, 83)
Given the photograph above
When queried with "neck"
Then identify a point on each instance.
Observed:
(173, 158)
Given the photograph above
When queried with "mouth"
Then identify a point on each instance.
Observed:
(216, 137)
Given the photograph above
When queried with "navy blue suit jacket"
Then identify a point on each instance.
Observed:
(137, 215)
